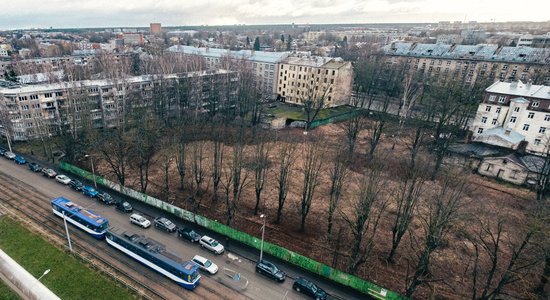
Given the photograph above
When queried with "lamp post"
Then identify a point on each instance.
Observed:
(262, 216)
(93, 170)
(45, 272)
(67, 231)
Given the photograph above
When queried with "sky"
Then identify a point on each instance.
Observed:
(22, 14)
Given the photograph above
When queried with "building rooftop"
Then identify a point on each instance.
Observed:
(259, 56)
(505, 134)
(520, 89)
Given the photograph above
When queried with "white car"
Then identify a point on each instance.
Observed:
(205, 264)
(63, 179)
(211, 244)
(10, 155)
(140, 220)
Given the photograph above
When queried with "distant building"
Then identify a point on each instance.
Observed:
(306, 77)
(514, 115)
(4, 53)
(536, 41)
(132, 39)
(155, 28)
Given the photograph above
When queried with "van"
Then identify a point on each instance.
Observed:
(140, 220)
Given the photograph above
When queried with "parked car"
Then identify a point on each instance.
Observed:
(270, 270)
(189, 234)
(76, 185)
(3, 151)
(48, 172)
(89, 191)
(35, 167)
(10, 155)
(140, 220)
(105, 198)
(309, 288)
(124, 206)
(205, 264)
(165, 224)
(20, 160)
(63, 179)
(211, 244)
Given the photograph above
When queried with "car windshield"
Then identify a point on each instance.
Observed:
(207, 263)
(126, 205)
(167, 222)
(214, 243)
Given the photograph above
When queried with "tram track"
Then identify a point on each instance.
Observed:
(35, 206)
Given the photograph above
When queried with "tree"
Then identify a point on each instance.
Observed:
(181, 159)
(236, 176)
(286, 159)
(442, 211)
(282, 38)
(353, 125)
(260, 166)
(247, 42)
(289, 43)
(407, 196)
(338, 173)
(257, 44)
(116, 150)
(197, 169)
(364, 216)
(313, 161)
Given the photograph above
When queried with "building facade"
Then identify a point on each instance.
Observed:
(471, 62)
(309, 78)
(514, 115)
(31, 111)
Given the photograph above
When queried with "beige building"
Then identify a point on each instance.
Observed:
(303, 78)
(473, 61)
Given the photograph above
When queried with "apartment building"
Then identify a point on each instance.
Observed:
(470, 62)
(537, 41)
(31, 111)
(263, 64)
(514, 115)
(306, 77)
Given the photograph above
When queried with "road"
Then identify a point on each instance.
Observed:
(238, 257)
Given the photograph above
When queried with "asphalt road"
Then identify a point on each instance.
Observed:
(237, 257)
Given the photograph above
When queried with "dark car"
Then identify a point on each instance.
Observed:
(105, 198)
(48, 172)
(309, 288)
(270, 270)
(165, 224)
(76, 185)
(3, 151)
(35, 167)
(89, 191)
(20, 160)
(124, 206)
(189, 234)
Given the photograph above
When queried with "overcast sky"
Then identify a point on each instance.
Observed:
(132, 13)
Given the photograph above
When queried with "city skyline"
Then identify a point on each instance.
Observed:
(101, 13)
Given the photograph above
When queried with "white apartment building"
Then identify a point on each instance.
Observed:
(263, 64)
(513, 115)
(306, 77)
(31, 111)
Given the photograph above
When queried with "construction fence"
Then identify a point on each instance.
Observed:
(272, 249)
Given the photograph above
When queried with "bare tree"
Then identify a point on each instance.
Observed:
(407, 196)
(313, 161)
(353, 126)
(197, 169)
(181, 158)
(116, 151)
(364, 216)
(217, 163)
(338, 174)
(442, 210)
(286, 159)
(260, 166)
(236, 178)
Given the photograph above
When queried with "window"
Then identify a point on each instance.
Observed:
(531, 115)
(59, 94)
(494, 122)
(516, 109)
(513, 120)
(537, 142)
(501, 99)
(498, 110)
(535, 104)
(484, 120)
(547, 118)
(489, 167)
(34, 97)
(48, 95)
(542, 130)
(525, 127)
(514, 174)
(488, 108)
(492, 97)
(480, 130)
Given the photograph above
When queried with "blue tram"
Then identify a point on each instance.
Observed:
(82, 218)
(155, 256)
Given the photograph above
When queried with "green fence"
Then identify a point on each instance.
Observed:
(336, 118)
(277, 251)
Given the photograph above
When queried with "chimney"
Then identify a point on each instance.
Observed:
(507, 132)
(529, 83)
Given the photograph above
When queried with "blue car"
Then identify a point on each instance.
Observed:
(20, 160)
(89, 191)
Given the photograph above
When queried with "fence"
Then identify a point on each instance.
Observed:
(277, 251)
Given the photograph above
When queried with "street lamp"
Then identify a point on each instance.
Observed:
(67, 231)
(45, 272)
(93, 170)
(262, 216)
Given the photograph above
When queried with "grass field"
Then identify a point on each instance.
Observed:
(68, 278)
(297, 113)
(6, 293)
